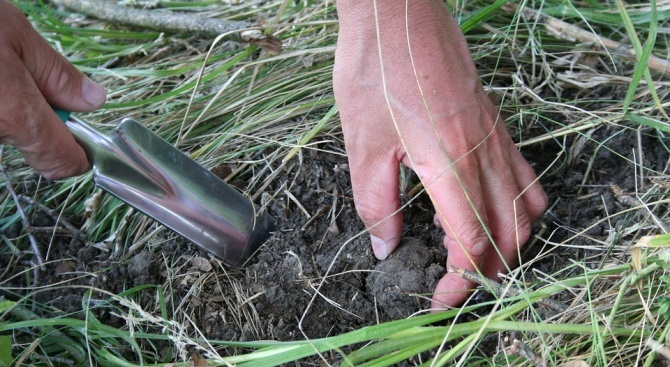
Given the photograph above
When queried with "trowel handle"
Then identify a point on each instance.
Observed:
(90, 139)
(63, 114)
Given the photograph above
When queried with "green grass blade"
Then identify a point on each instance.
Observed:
(653, 123)
(474, 19)
(643, 55)
(6, 350)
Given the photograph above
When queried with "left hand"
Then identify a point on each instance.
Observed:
(34, 77)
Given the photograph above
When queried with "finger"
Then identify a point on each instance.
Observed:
(29, 124)
(62, 84)
(464, 221)
(509, 221)
(376, 195)
(509, 212)
(450, 291)
(509, 159)
(534, 197)
(53, 152)
(510, 232)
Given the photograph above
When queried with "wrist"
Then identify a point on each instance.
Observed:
(358, 18)
(422, 39)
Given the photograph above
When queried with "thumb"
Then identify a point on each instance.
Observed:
(61, 84)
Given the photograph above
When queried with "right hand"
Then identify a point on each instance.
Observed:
(35, 77)
(388, 120)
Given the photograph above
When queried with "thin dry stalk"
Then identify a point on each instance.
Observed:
(156, 20)
(19, 209)
(57, 218)
(569, 31)
(518, 347)
(501, 290)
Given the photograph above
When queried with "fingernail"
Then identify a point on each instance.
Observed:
(436, 221)
(94, 94)
(379, 247)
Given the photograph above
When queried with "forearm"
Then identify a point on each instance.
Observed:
(357, 17)
(416, 34)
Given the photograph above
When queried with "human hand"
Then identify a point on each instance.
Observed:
(427, 111)
(35, 77)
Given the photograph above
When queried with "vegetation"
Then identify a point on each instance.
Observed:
(224, 101)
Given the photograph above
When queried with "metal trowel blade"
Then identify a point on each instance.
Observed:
(145, 171)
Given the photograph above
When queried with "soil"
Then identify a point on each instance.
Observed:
(280, 294)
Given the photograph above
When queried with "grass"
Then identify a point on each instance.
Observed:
(237, 104)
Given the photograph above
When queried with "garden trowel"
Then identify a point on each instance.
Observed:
(140, 168)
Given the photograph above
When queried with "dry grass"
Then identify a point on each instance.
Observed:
(565, 90)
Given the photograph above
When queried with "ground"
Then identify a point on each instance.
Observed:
(281, 293)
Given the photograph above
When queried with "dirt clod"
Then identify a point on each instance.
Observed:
(397, 282)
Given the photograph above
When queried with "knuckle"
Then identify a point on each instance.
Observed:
(59, 173)
(472, 237)
(53, 174)
(369, 208)
(66, 166)
(57, 79)
(538, 204)
(518, 231)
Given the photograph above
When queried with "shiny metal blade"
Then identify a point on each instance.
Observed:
(145, 171)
